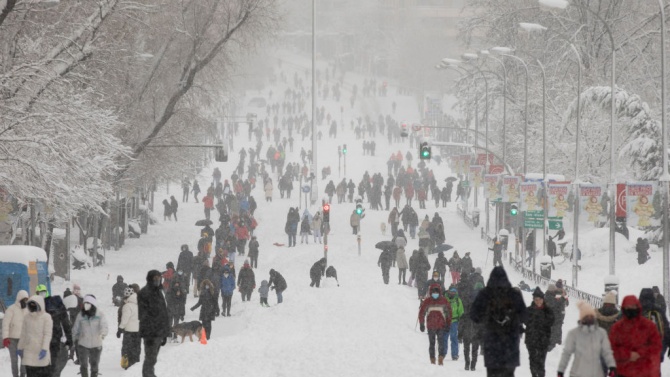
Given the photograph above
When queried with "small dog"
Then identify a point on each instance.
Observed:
(188, 329)
(383, 228)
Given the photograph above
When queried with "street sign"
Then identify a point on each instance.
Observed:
(465, 184)
(306, 189)
(533, 220)
(555, 223)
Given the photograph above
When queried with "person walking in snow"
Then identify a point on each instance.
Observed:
(89, 330)
(557, 300)
(227, 290)
(12, 326)
(642, 249)
(317, 222)
(176, 303)
(470, 331)
(435, 312)
(246, 281)
(538, 331)
(167, 210)
(154, 320)
(263, 291)
(253, 252)
(385, 260)
(590, 346)
(318, 269)
(173, 206)
(129, 327)
(207, 302)
(36, 333)
(278, 284)
(185, 264)
(401, 261)
(440, 265)
(305, 230)
(457, 311)
(455, 268)
(636, 342)
(195, 190)
(607, 314)
(500, 310)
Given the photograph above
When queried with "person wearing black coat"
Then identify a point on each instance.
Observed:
(61, 328)
(246, 281)
(500, 309)
(642, 249)
(154, 320)
(469, 331)
(385, 261)
(117, 291)
(318, 269)
(185, 265)
(173, 206)
(656, 314)
(441, 265)
(176, 303)
(207, 302)
(253, 252)
(422, 268)
(466, 265)
(278, 284)
(538, 323)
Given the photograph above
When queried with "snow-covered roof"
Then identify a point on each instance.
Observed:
(22, 254)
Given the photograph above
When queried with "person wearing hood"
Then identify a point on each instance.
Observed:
(318, 269)
(61, 334)
(556, 299)
(538, 329)
(89, 330)
(440, 265)
(168, 275)
(167, 210)
(635, 341)
(455, 268)
(654, 313)
(208, 303)
(401, 261)
(642, 249)
(176, 303)
(608, 313)
(246, 281)
(305, 230)
(227, 290)
(421, 276)
(278, 284)
(263, 291)
(466, 263)
(394, 220)
(497, 252)
(254, 251)
(435, 312)
(154, 320)
(117, 291)
(470, 331)
(129, 327)
(500, 310)
(185, 264)
(12, 326)
(35, 339)
(435, 279)
(457, 311)
(173, 206)
(590, 345)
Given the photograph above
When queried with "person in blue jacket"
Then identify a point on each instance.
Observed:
(227, 290)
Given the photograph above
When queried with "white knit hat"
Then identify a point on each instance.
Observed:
(91, 300)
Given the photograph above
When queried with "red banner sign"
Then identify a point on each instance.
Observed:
(621, 200)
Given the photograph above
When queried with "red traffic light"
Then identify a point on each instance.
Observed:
(326, 207)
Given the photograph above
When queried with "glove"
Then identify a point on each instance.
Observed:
(19, 353)
(118, 333)
(42, 355)
(560, 374)
(611, 372)
(164, 341)
(192, 309)
(422, 327)
(5, 342)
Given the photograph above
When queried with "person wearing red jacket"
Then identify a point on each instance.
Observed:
(636, 342)
(242, 235)
(409, 193)
(435, 312)
(208, 201)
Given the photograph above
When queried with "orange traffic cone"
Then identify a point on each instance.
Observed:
(203, 337)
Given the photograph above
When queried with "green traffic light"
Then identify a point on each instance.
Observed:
(359, 211)
(425, 154)
(513, 211)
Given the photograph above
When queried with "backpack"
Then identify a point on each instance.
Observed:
(655, 316)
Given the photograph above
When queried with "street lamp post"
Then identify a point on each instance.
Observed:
(504, 96)
(665, 177)
(544, 157)
(314, 190)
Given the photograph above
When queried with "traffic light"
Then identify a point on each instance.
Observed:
(344, 149)
(220, 155)
(513, 209)
(359, 209)
(326, 213)
(403, 130)
(424, 151)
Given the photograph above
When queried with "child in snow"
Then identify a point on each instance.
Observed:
(263, 291)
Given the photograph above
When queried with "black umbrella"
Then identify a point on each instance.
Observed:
(383, 245)
(443, 247)
(452, 179)
(203, 222)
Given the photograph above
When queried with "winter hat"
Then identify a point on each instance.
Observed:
(559, 284)
(478, 270)
(246, 262)
(610, 298)
(467, 253)
(91, 300)
(585, 309)
(551, 287)
(436, 273)
(453, 289)
(538, 293)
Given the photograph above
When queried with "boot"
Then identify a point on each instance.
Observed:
(432, 361)
(467, 363)
(84, 372)
(440, 360)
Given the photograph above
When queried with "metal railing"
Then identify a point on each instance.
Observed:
(463, 213)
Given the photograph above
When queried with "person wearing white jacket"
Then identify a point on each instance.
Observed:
(33, 346)
(90, 328)
(130, 327)
(11, 330)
